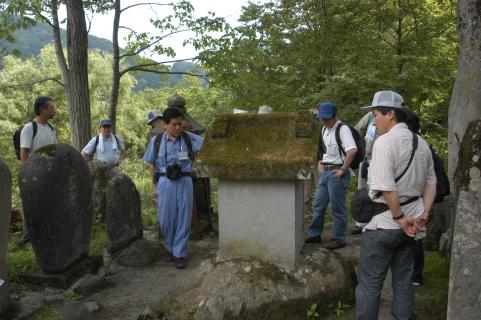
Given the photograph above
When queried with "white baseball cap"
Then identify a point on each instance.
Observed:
(387, 98)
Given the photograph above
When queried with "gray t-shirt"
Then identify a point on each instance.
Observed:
(45, 136)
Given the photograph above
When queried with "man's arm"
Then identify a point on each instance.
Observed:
(24, 153)
(406, 223)
(350, 155)
(87, 157)
(428, 198)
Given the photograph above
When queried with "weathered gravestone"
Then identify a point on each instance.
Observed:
(5, 205)
(261, 162)
(464, 300)
(101, 174)
(56, 192)
(123, 220)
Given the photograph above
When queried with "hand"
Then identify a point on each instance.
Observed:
(320, 167)
(420, 222)
(338, 173)
(408, 226)
(154, 193)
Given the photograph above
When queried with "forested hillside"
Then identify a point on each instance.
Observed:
(30, 41)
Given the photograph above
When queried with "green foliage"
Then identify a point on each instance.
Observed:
(312, 312)
(70, 295)
(291, 54)
(20, 259)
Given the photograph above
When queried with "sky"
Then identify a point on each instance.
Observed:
(137, 18)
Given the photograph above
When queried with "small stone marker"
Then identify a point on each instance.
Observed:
(123, 220)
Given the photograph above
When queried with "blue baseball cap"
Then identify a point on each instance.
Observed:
(105, 123)
(327, 110)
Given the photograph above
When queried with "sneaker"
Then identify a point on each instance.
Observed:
(356, 230)
(415, 283)
(180, 263)
(334, 245)
(316, 239)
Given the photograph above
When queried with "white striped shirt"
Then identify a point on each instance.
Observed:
(390, 157)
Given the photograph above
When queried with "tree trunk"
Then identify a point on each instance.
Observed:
(78, 84)
(114, 97)
(465, 104)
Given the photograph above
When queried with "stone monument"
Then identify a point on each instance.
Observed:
(464, 300)
(5, 207)
(261, 162)
(123, 220)
(56, 191)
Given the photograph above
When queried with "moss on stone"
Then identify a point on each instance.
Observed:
(258, 147)
(48, 149)
(470, 147)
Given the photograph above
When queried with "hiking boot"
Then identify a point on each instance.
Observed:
(316, 239)
(180, 263)
(356, 230)
(168, 257)
(334, 245)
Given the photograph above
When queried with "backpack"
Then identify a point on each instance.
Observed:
(360, 145)
(97, 142)
(18, 133)
(183, 134)
(442, 185)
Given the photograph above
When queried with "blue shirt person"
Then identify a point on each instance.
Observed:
(106, 146)
(173, 164)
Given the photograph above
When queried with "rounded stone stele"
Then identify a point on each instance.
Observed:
(56, 191)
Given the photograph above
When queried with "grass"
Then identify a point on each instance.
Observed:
(20, 258)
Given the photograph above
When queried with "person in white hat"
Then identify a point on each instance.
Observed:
(401, 175)
(156, 122)
(106, 147)
(265, 109)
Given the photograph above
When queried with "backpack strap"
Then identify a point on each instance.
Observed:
(188, 141)
(338, 140)
(96, 143)
(35, 128)
(415, 146)
(157, 141)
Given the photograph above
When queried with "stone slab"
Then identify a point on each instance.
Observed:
(262, 219)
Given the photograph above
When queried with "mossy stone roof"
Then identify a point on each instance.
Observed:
(270, 146)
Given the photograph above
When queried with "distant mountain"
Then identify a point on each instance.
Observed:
(30, 41)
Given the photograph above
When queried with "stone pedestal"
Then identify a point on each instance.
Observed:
(262, 219)
(5, 206)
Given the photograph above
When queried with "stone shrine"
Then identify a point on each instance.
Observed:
(261, 161)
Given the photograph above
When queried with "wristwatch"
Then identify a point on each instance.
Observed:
(398, 217)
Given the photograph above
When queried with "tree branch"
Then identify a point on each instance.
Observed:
(142, 68)
(151, 43)
(146, 3)
(29, 84)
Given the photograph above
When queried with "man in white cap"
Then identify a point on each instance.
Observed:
(401, 175)
(107, 147)
(155, 120)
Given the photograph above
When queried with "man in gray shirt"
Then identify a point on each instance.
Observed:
(45, 134)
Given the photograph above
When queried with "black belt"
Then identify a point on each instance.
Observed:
(182, 174)
(328, 167)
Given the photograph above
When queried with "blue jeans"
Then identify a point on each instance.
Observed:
(381, 250)
(330, 189)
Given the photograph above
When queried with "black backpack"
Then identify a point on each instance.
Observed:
(183, 134)
(360, 145)
(18, 132)
(442, 185)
